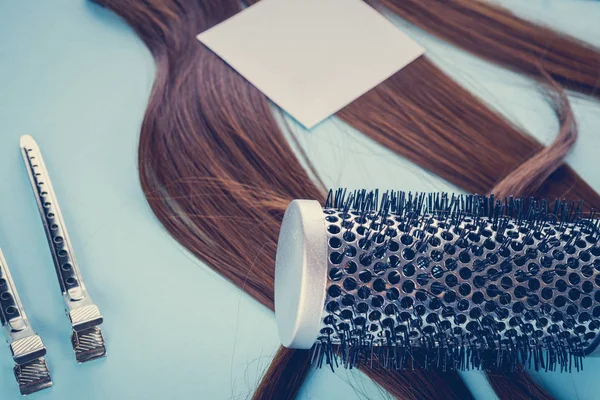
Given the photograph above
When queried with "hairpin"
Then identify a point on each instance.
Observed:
(87, 340)
(27, 348)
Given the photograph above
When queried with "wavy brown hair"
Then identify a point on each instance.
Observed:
(211, 151)
(497, 35)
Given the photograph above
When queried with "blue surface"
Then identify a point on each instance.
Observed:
(77, 78)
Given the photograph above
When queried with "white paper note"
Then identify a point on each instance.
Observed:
(312, 57)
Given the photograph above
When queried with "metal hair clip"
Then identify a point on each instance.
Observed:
(85, 317)
(31, 370)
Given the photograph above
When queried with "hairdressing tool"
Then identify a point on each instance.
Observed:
(439, 281)
(26, 347)
(85, 317)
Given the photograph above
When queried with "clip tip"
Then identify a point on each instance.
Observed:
(27, 140)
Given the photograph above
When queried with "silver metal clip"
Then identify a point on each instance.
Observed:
(28, 351)
(85, 317)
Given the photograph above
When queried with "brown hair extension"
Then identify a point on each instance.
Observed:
(285, 375)
(220, 155)
(423, 115)
(496, 34)
(529, 176)
(512, 387)
(210, 151)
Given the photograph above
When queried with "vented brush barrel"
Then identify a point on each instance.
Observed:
(439, 281)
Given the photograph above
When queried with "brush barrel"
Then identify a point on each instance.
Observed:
(439, 282)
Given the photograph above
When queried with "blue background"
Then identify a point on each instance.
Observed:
(77, 78)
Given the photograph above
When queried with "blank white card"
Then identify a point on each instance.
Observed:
(312, 57)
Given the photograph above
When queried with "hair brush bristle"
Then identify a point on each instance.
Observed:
(431, 280)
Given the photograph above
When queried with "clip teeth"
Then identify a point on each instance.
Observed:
(33, 376)
(88, 344)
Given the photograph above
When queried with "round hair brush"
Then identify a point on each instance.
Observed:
(431, 280)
